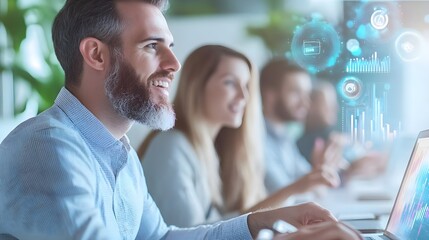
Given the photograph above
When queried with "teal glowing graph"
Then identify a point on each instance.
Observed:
(364, 111)
(371, 65)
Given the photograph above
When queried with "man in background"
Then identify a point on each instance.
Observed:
(285, 90)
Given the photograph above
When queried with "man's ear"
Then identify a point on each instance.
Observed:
(95, 53)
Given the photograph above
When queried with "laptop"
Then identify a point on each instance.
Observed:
(409, 218)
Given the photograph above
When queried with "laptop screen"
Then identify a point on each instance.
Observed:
(410, 216)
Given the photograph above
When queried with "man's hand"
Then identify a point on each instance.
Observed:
(323, 176)
(299, 216)
(368, 166)
(329, 153)
(322, 231)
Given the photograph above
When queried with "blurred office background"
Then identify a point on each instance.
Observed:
(376, 52)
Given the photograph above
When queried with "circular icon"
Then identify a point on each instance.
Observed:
(350, 88)
(379, 19)
(353, 45)
(409, 46)
(315, 46)
(374, 21)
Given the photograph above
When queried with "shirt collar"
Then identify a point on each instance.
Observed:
(88, 124)
(271, 130)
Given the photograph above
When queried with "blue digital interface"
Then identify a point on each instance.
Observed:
(364, 57)
(316, 45)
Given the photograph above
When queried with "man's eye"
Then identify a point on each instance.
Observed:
(152, 45)
(229, 82)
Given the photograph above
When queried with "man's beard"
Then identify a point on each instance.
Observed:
(132, 98)
(282, 111)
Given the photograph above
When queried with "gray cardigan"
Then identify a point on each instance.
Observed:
(176, 182)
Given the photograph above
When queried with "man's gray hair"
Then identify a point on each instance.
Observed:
(79, 19)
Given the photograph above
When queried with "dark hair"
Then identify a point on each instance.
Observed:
(79, 19)
(273, 73)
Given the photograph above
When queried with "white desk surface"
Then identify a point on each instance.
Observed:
(359, 199)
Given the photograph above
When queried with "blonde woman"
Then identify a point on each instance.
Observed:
(210, 165)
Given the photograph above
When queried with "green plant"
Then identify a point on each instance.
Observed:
(17, 19)
(191, 7)
(278, 31)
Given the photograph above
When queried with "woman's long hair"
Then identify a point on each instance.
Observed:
(233, 165)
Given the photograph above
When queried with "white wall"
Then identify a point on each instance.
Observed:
(416, 93)
(331, 10)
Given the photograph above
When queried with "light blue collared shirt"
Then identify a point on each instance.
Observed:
(64, 176)
(284, 164)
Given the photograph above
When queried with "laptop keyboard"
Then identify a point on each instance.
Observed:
(381, 237)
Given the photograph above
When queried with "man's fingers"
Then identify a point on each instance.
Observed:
(322, 231)
(326, 176)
